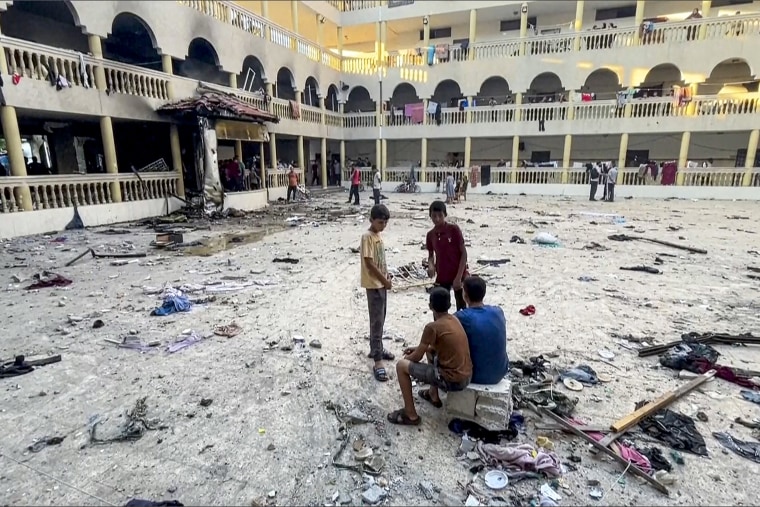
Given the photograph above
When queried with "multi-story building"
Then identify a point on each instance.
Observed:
(526, 92)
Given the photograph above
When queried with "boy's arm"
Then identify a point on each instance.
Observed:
(369, 263)
(431, 256)
(428, 337)
(462, 260)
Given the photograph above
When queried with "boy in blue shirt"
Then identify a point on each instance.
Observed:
(486, 329)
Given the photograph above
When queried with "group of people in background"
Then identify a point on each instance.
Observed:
(605, 174)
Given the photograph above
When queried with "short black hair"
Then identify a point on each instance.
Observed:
(440, 300)
(438, 206)
(379, 212)
(475, 288)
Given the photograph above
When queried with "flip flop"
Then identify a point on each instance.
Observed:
(387, 355)
(399, 417)
(528, 310)
(380, 374)
(425, 395)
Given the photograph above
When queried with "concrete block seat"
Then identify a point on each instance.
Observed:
(488, 405)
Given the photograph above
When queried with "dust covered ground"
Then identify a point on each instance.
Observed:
(254, 419)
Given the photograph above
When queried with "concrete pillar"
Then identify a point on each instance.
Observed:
(378, 155)
(109, 153)
(293, 13)
(423, 160)
(566, 152)
(265, 15)
(518, 103)
(473, 31)
(323, 160)
(515, 158)
(323, 109)
(168, 68)
(233, 81)
(749, 161)
(299, 97)
(342, 155)
(262, 162)
(578, 25)
(177, 158)
(426, 36)
(383, 42)
(97, 52)
(569, 105)
(301, 161)
(467, 152)
(683, 157)
(273, 150)
(523, 27)
(384, 156)
(640, 4)
(12, 136)
(468, 111)
(425, 119)
(623, 150)
(269, 89)
(239, 149)
(706, 6)
(340, 41)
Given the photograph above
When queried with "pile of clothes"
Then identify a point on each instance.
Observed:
(700, 358)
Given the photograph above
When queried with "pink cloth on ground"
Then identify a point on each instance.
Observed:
(519, 457)
(627, 453)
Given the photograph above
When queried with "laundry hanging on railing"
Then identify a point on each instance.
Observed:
(442, 52)
(681, 95)
(431, 55)
(295, 109)
(669, 170)
(83, 72)
(415, 112)
(588, 97)
(432, 106)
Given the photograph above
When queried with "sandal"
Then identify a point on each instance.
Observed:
(387, 355)
(425, 395)
(380, 374)
(400, 417)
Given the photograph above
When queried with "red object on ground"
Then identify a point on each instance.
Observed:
(528, 310)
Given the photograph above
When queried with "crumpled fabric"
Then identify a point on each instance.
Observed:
(173, 303)
(749, 450)
(550, 399)
(675, 429)
(686, 355)
(724, 372)
(521, 457)
(752, 396)
(48, 279)
(582, 373)
(137, 502)
(185, 342)
(629, 454)
(656, 458)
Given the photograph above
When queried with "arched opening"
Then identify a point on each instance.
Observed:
(331, 101)
(252, 77)
(546, 87)
(52, 23)
(447, 93)
(405, 106)
(494, 88)
(131, 41)
(310, 95)
(201, 63)
(660, 80)
(730, 76)
(360, 101)
(602, 84)
(286, 85)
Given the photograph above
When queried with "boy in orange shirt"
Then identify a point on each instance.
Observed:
(292, 183)
(376, 280)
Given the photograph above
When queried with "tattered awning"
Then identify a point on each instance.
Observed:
(217, 105)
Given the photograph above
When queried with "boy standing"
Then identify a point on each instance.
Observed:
(356, 178)
(292, 184)
(447, 255)
(611, 182)
(375, 278)
(377, 183)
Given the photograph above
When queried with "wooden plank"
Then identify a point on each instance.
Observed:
(663, 401)
(626, 465)
(606, 441)
(588, 428)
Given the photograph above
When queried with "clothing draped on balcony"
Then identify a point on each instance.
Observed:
(681, 95)
(295, 109)
(669, 170)
(414, 112)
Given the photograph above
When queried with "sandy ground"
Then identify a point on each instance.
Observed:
(268, 430)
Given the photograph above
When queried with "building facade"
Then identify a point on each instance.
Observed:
(525, 93)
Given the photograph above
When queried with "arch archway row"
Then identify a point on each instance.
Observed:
(226, 48)
(732, 71)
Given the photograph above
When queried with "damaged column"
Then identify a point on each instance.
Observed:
(15, 155)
